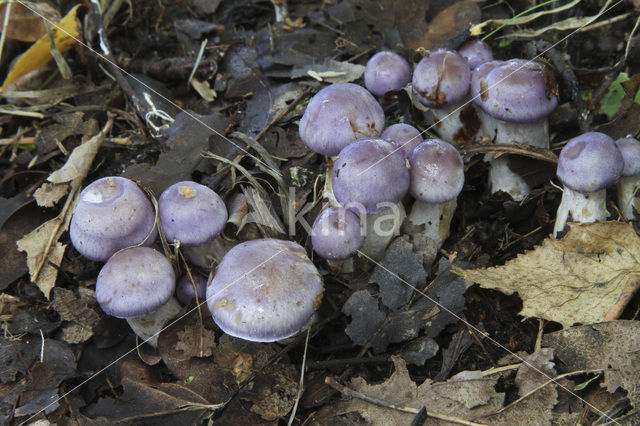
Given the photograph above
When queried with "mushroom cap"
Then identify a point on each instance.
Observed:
(441, 79)
(476, 52)
(111, 213)
(338, 115)
(191, 213)
(517, 91)
(630, 149)
(184, 288)
(589, 163)
(403, 136)
(386, 71)
(264, 290)
(135, 281)
(437, 172)
(336, 234)
(370, 175)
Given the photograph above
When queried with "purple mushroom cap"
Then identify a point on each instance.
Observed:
(370, 175)
(134, 282)
(111, 213)
(191, 213)
(184, 288)
(264, 290)
(338, 115)
(437, 172)
(336, 234)
(441, 79)
(630, 149)
(476, 52)
(386, 71)
(589, 163)
(403, 136)
(517, 91)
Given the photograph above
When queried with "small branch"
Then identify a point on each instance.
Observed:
(516, 148)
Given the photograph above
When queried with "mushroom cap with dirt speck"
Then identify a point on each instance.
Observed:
(264, 290)
(517, 90)
(370, 174)
(386, 71)
(135, 281)
(441, 79)
(336, 234)
(403, 136)
(630, 149)
(338, 115)
(191, 213)
(437, 172)
(111, 213)
(589, 162)
(476, 52)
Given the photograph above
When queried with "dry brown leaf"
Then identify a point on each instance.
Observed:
(49, 194)
(467, 397)
(24, 24)
(588, 276)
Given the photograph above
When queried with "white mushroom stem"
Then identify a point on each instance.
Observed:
(447, 123)
(435, 217)
(583, 208)
(501, 178)
(149, 326)
(380, 229)
(626, 189)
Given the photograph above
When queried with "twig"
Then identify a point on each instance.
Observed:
(301, 383)
(403, 408)
(516, 148)
(280, 116)
(5, 24)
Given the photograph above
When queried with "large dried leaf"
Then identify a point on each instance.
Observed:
(25, 24)
(586, 277)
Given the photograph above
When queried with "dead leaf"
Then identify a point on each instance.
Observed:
(581, 278)
(75, 310)
(609, 346)
(65, 34)
(25, 25)
(49, 194)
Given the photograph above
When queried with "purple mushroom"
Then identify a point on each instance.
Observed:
(386, 71)
(476, 52)
(403, 136)
(437, 177)
(441, 82)
(137, 284)
(338, 115)
(111, 213)
(264, 290)
(336, 235)
(515, 98)
(628, 184)
(185, 291)
(586, 166)
(191, 213)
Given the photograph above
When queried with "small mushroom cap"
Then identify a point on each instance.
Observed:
(476, 52)
(135, 281)
(386, 71)
(403, 136)
(191, 213)
(111, 213)
(517, 91)
(336, 234)
(630, 149)
(338, 115)
(184, 288)
(589, 163)
(437, 172)
(370, 175)
(264, 290)
(441, 79)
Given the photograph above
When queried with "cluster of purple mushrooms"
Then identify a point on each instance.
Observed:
(268, 289)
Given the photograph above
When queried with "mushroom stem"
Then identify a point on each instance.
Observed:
(435, 217)
(380, 229)
(148, 327)
(583, 208)
(626, 189)
(446, 121)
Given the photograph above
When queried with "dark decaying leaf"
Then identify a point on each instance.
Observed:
(75, 310)
(65, 125)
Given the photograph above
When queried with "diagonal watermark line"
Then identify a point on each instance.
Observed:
(115, 65)
(469, 101)
(487, 336)
(153, 336)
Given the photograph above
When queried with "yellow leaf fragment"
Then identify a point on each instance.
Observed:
(65, 33)
(586, 277)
